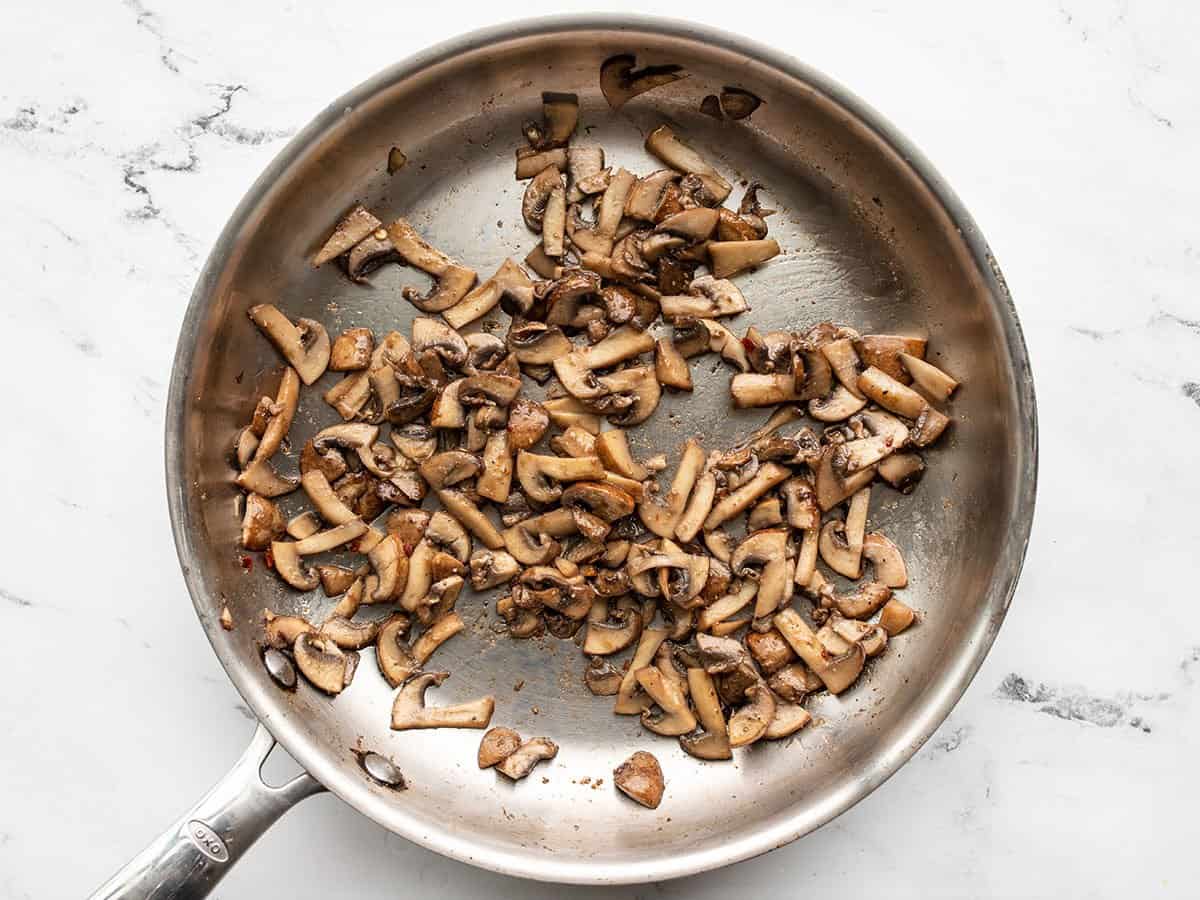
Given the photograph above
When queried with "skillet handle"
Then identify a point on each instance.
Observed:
(195, 852)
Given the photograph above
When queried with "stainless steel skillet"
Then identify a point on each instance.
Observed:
(873, 238)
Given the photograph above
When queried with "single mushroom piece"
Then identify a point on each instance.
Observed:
(602, 678)
(739, 500)
(350, 635)
(537, 196)
(845, 363)
(695, 224)
(863, 603)
(663, 143)
(305, 345)
(262, 523)
(731, 257)
(395, 658)
(520, 762)
(531, 161)
(429, 334)
(290, 567)
(449, 468)
(646, 194)
(837, 406)
(713, 742)
(354, 227)
(279, 416)
(698, 507)
(640, 778)
(497, 745)
(409, 710)
(884, 556)
(641, 389)
(336, 580)
(670, 367)
(723, 608)
(769, 650)
(707, 298)
(929, 379)
(510, 287)
(452, 281)
(585, 173)
(788, 719)
(794, 682)
(891, 394)
(896, 617)
(536, 343)
(604, 638)
(612, 447)
(540, 475)
(751, 721)
(322, 662)
(883, 352)
(752, 389)
(620, 82)
(675, 716)
(662, 515)
(471, 517)
(527, 422)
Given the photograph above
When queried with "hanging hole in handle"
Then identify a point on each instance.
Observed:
(279, 769)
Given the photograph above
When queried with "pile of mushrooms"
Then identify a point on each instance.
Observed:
(521, 439)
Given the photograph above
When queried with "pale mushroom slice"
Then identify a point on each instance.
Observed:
(886, 560)
(620, 82)
(322, 662)
(612, 446)
(845, 363)
(883, 352)
(841, 543)
(662, 514)
(929, 379)
(567, 411)
(837, 406)
(391, 565)
(604, 637)
(409, 710)
(624, 343)
(354, 227)
(392, 653)
(471, 517)
(836, 672)
(698, 507)
(754, 389)
(586, 173)
(496, 746)
(638, 391)
(750, 722)
(640, 778)
(449, 468)
(330, 538)
(531, 161)
(693, 225)
(731, 257)
(452, 281)
(788, 719)
(675, 717)
(727, 606)
(434, 335)
(739, 500)
(670, 366)
(533, 541)
(283, 410)
(322, 495)
(896, 617)
(707, 298)
(806, 557)
(631, 701)
(440, 631)
(305, 346)
(521, 761)
(832, 489)
(664, 144)
(290, 566)
(510, 280)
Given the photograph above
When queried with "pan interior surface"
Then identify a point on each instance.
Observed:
(869, 240)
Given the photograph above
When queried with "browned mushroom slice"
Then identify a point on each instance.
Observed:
(640, 778)
(726, 607)
(896, 617)
(510, 281)
(290, 567)
(437, 634)
(675, 716)
(841, 544)
(864, 602)
(646, 193)
(639, 392)
(663, 143)
(354, 227)
(670, 367)
(520, 762)
(527, 422)
(739, 500)
(585, 173)
(452, 281)
(788, 719)
(607, 637)
(613, 449)
(262, 523)
(449, 468)
(471, 517)
(832, 489)
(567, 411)
(409, 710)
(929, 427)
(712, 743)
(794, 682)
(279, 416)
(352, 350)
(769, 650)
(322, 662)
(532, 541)
(305, 346)
(836, 672)
(806, 559)
(886, 560)
(331, 538)
(537, 196)
(282, 631)
(731, 257)
(751, 721)
(693, 225)
(531, 162)
(540, 475)
(883, 352)
(350, 635)
(497, 745)
(751, 389)
(395, 658)
(891, 394)
(707, 298)
(620, 82)
(624, 343)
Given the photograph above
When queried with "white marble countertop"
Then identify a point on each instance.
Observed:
(128, 132)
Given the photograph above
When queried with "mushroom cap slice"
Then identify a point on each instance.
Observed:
(262, 523)
(409, 710)
(539, 474)
(885, 557)
(282, 631)
(353, 228)
(291, 568)
(751, 722)
(305, 346)
(496, 745)
(395, 658)
(620, 82)
(836, 672)
(599, 498)
(788, 719)
(537, 195)
(604, 638)
(602, 678)
(429, 334)
(321, 661)
(350, 635)
(838, 406)
(896, 617)
(260, 478)
(675, 716)
(640, 778)
(449, 467)
(730, 257)
(520, 762)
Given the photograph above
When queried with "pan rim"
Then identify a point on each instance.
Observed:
(511, 860)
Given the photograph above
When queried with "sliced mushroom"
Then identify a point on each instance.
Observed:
(631, 700)
(883, 352)
(521, 762)
(537, 343)
(262, 523)
(929, 427)
(537, 196)
(531, 161)
(767, 513)
(836, 672)
(845, 363)
(832, 489)
(353, 228)
(290, 566)
(429, 334)
(620, 82)
(806, 559)
(282, 631)
(331, 538)
(395, 658)
(751, 721)
(567, 411)
(640, 778)
(437, 633)
(449, 468)
(788, 719)
(539, 474)
(497, 745)
(585, 172)
(602, 678)
(409, 710)
(693, 225)
(663, 143)
(282, 411)
(727, 606)
(769, 650)
(896, 617)
(369, 254)
(838, 552)
(713, 742)
(322, 662)
(708, 298)
(470, 517)
(863, 603)
(838, 406)
(751, 389)
(929, 379)
(794, 682)
(739, 500)
(643, 200)
(886, 560)
(641, 389)
(336, 580)
(670, 367)
(698, 507)
(675, 716)
(605, 638)
(350, 635)
(731, 257)
(305, 346)
(662, 515)
(613, 449)
(510, 287)
(452, 281)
